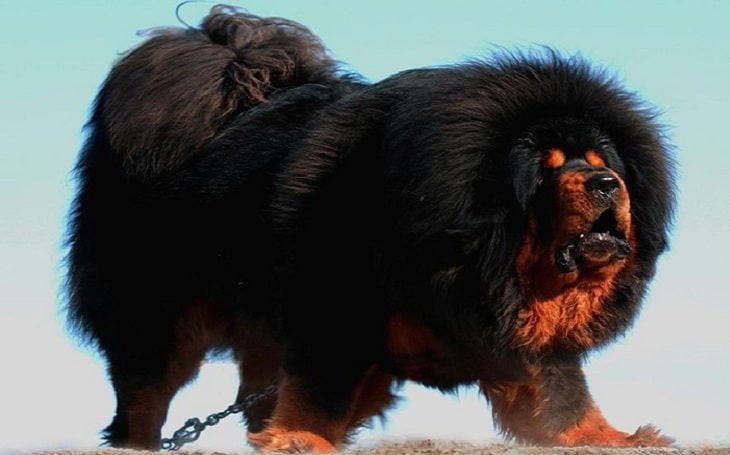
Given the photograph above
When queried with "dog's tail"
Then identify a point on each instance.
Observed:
(172, 93)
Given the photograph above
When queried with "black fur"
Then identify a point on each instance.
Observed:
(238, 165)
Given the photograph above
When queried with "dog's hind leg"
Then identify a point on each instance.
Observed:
(146, 376)
(259, 365)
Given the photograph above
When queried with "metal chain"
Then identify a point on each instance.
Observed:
(190, 432)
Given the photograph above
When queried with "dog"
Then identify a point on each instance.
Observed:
(490, 222)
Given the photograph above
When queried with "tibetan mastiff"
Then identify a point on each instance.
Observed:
(490, 222)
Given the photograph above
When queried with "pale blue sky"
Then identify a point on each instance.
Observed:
(672, 369)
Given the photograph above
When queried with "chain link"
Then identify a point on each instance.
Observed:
(190, 432)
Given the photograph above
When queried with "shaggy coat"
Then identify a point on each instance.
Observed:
(488, 223)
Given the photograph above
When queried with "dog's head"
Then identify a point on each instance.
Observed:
(536, 193)
(569, 180)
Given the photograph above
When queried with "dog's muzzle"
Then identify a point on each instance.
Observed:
(603, 242)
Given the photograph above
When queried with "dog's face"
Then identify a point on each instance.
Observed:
(569, 179)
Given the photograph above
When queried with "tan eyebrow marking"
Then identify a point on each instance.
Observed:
(554, 158)
(594, 159)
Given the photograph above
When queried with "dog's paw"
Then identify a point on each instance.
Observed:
(645, 436)
(649, 436)
(281, 440)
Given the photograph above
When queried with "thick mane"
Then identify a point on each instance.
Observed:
(495, 100)
(534, 86)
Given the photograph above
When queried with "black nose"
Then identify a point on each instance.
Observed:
(603, 183)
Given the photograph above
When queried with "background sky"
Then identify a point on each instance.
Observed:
(672, 369)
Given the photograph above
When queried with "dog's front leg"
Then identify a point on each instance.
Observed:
(552, 407)
(300, 423)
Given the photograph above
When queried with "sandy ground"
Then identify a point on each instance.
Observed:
(428, 447)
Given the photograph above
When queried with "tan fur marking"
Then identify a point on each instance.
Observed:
(561, 305)
(297, 427)
(564, 318)
(276, 439)
(553, 159)
(594, 430)
(594, 159)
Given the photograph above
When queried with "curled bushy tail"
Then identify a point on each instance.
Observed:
(270, 52)
(172, 93)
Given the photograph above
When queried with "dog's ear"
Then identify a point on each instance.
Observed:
(523, 165)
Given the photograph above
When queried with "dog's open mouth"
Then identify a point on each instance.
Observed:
(600, 245)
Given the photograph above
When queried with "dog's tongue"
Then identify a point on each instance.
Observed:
(597, 248)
